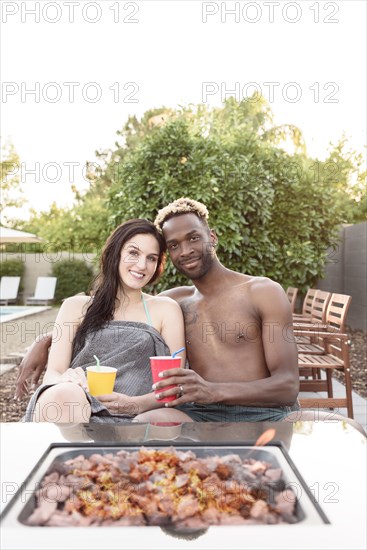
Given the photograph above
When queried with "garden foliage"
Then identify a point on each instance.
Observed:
(73, 277)
(274, 211)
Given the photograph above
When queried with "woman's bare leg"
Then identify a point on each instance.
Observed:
(64, 402)
(163, 415)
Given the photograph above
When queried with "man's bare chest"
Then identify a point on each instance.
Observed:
(225, 319)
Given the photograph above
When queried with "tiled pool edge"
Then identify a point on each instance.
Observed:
(24, 313)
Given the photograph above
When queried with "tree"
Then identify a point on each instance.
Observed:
(82, 227)
(343, 167)
(275, 212)
(11, 192)
(272, 215)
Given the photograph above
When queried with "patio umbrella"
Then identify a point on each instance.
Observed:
(8, 235)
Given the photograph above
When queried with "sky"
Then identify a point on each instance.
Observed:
(73, 71)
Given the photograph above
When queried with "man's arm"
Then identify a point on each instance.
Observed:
(32, 365)
(280, 352)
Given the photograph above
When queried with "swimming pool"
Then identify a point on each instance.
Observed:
(10, 313)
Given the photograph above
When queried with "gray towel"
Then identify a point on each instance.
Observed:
(125, 345)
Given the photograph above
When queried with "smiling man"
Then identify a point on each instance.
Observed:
(240, 347)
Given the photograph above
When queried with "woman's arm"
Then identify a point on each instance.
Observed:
(172, 330)
(32, 365)
(67, 321)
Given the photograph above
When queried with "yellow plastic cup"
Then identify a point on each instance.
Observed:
(101, 381)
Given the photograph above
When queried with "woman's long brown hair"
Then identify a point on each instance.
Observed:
(108, 282)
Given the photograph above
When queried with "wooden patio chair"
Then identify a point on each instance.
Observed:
(337, 357)
(318, 315)
(292, 292)
(333, 321)
(306, 314)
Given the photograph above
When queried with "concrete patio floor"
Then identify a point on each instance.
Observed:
(359, 403)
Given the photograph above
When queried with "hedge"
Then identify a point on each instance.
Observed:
(73, 277)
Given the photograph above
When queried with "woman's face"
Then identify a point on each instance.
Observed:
(138, 261)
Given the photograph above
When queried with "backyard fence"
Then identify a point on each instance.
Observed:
(346, 272)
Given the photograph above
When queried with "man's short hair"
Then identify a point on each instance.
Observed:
(181, 206)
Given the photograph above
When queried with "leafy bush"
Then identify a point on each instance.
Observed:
(13, 268)
(272, 215)
(73, 276)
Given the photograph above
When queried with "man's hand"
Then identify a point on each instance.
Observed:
(32, 366)
(191, 387)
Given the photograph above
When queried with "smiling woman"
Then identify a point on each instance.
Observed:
(139, 259)
(121, 325)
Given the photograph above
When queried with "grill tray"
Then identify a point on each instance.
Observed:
(23, 503)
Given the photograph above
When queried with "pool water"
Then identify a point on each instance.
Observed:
(10, 313)
(8, 310)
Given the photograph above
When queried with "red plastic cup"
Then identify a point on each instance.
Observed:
(160, 364)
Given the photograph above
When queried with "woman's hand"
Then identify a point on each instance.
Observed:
(77, 376)
(119, 403)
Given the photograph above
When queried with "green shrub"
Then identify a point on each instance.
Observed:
(73, 276)
(272, 216)
(13, 268)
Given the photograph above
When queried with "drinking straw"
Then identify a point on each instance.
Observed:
(176, 352)
(98, 362)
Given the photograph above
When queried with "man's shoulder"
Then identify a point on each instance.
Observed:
(251, 283)
(178, 293)
(267, 295)
(258, 290)
(264, 284)
(264, 287)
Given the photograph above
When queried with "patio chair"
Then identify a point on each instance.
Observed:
(292, 292)
(9, 287)
(330, 320)
(306, 314)
(337, 357)
(333, 320)
(331, 351)
(44, 292)
(318, 315)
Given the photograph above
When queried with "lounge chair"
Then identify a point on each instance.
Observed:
(45, 291)
(9, 287)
